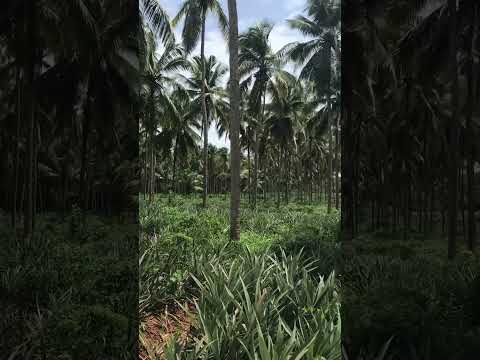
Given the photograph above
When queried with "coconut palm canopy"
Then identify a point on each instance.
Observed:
(274, 111)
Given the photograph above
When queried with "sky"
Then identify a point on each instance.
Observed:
(250, 12)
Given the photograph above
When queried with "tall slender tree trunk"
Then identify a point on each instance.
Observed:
(330, 160)
(337, 167)
(174, 169)
(85, 134)
(29, 104)
(249, 179)
(152, 169)
(17, 136)
(279, 175)
(256, 158)
(356, 179)
(472, 76)
(453, 132)
(286, 171)
(35, 171)
(256, 152)
(145, 173)
(204, 114)
(234, 89)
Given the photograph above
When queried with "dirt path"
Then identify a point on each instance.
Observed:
(156, 330)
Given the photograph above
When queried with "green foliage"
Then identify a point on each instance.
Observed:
(70, 295)
(255, 242)
(252, 302)
(316, 236)
(265, 307)
(412, 291)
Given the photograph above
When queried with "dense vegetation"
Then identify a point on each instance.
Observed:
(255, 281)
(68, 156)
(105, 129)
(409, 177)
(411, 104)
(71, 292)
(289, 126)
(409, 290)
(259, 296)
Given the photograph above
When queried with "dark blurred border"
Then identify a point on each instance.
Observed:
(410, 179)
(69, 75)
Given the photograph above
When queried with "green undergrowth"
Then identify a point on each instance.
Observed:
(258, 306)
(409, 289)
(70, 291)
(272, 295)
(260, 227)
(175, 232)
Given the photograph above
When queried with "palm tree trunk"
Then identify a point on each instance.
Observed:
(472, 75)
(337, 163)
(152, 168)
(85, 133)
(279, 175)
(29, 104)
(453, 132)
(17, 144)
(35, 172)
(145, 172)
(256, 154)
(330, 161)
(286, 169)
(204, 114)
(255, 168)
(249, 166)
(174, 167)
(234, 123)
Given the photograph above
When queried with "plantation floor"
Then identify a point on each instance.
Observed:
(159, 329)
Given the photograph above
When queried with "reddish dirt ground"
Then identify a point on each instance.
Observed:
(157, 329)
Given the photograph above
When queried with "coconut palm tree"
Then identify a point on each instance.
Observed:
(157, 82)
(109, 75)
(211, 89)
(194, 13)
(258, 65)
(284, 110)
(179, 133)
(318, 55)
(157, 19)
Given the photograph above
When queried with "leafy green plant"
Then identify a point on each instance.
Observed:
(256, 307)
(426, 301)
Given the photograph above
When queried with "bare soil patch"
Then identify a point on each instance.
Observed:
(156, 330)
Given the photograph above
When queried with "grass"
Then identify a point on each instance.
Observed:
(261, 227)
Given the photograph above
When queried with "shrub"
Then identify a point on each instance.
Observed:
(264, 307)
(426, 301)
